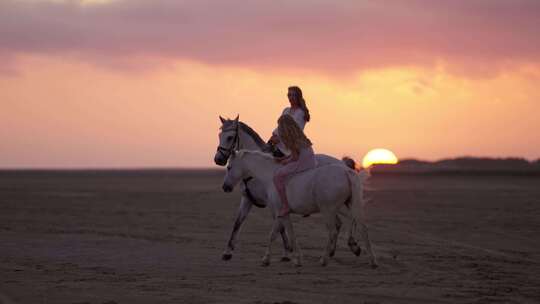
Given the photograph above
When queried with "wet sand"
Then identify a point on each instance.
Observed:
(157, 237)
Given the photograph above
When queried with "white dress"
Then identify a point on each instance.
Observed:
(298, 115)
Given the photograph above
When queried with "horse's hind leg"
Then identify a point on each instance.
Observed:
(365, 236)
(330, 219)
(351, 242)
(338, 228)
(297, 256)
(273, 234)
(286, 244)
(243, 211)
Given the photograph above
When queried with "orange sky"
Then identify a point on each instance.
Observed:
(74, 96)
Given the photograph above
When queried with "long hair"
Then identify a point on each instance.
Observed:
(291, 135)
(301, 101)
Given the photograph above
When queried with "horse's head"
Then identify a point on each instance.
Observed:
(236, 171)
(228, 140)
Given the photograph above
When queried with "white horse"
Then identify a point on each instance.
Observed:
(235, 135)
(331, 190)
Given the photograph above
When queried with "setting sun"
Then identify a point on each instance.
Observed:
(379, 156)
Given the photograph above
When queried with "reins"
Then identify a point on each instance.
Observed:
(227, 153)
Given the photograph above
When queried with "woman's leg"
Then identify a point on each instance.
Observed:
(305, 161)
(279, 181)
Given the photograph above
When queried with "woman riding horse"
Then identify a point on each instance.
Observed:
(293, 147)
(299, 111)
(301, 158)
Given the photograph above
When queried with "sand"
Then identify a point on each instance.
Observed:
(157, 237)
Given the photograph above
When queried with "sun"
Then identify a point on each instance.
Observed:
(379, 156)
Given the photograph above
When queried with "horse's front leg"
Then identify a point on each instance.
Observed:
(243, 211)
(273, 234)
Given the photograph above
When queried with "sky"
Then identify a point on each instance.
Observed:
(141, 83)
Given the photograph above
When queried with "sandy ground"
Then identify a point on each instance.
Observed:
(157, 237)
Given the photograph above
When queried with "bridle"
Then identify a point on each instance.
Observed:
(227, 153)
(236, 142)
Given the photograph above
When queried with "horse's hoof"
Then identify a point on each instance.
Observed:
(226, 256)
(323, 261)
(374, 266)
(265, 263)
(285, 259)
(332, 253)
(297, 263)
(358, 251)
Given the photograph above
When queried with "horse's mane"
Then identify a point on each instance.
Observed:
(256, 138)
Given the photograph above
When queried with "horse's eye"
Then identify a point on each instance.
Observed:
(229, 138)
(228, 167)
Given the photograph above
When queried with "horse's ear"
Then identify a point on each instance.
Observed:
(237, 117)
(222, 119)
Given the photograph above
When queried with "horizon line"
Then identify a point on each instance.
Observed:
(215, 167)
(111, 168)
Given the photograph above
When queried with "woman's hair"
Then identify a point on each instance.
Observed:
(301, 101)
(291, 135)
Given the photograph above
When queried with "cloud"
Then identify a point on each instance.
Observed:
(331, 36)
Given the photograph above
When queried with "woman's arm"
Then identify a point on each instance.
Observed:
(291, 158)
(274, 139)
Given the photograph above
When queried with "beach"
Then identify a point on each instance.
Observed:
(157, 236)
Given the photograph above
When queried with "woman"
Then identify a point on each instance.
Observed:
(298, 110)
(301, 158)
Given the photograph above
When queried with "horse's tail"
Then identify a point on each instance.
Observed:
(357, 201)
(357, 206)
(357, 182)
(351, 163)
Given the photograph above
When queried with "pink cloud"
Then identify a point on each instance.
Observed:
(335, 36)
